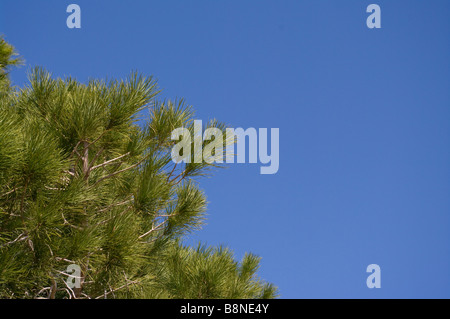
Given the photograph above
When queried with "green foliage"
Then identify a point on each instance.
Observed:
(86, 178)
(8, 58)
(207, 272)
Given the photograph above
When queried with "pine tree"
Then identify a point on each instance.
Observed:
(87, 179)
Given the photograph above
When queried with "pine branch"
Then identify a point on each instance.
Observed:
(53, 290)
(74, 151)
(108, 162)
(182, 176)
(117, 289)
(95, 158)
(115, 205)
(121, 171)
(159, 226)
(10, 192)
(170, 175)
(41, 291)
(19, 238)
(98, 138)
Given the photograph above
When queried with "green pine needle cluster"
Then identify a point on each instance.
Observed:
(86, 178)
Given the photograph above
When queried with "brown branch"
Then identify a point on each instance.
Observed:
(95, 158)
(107, 220)
(10, 192)
(65, 259)
(53, 290)
(78, 154)
(85, 160)
(114, 290)
(109, 162)
(154, 228)
(69, 172)
(41, 291)
(19, 238)
(67, 223)
(75, 149)
(121, 171)
(182, 176)
(116, 204)
(170, 174)
(98, 138)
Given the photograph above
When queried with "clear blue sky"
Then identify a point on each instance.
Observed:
(364, 118)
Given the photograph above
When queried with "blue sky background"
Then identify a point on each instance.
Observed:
(364, 118)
